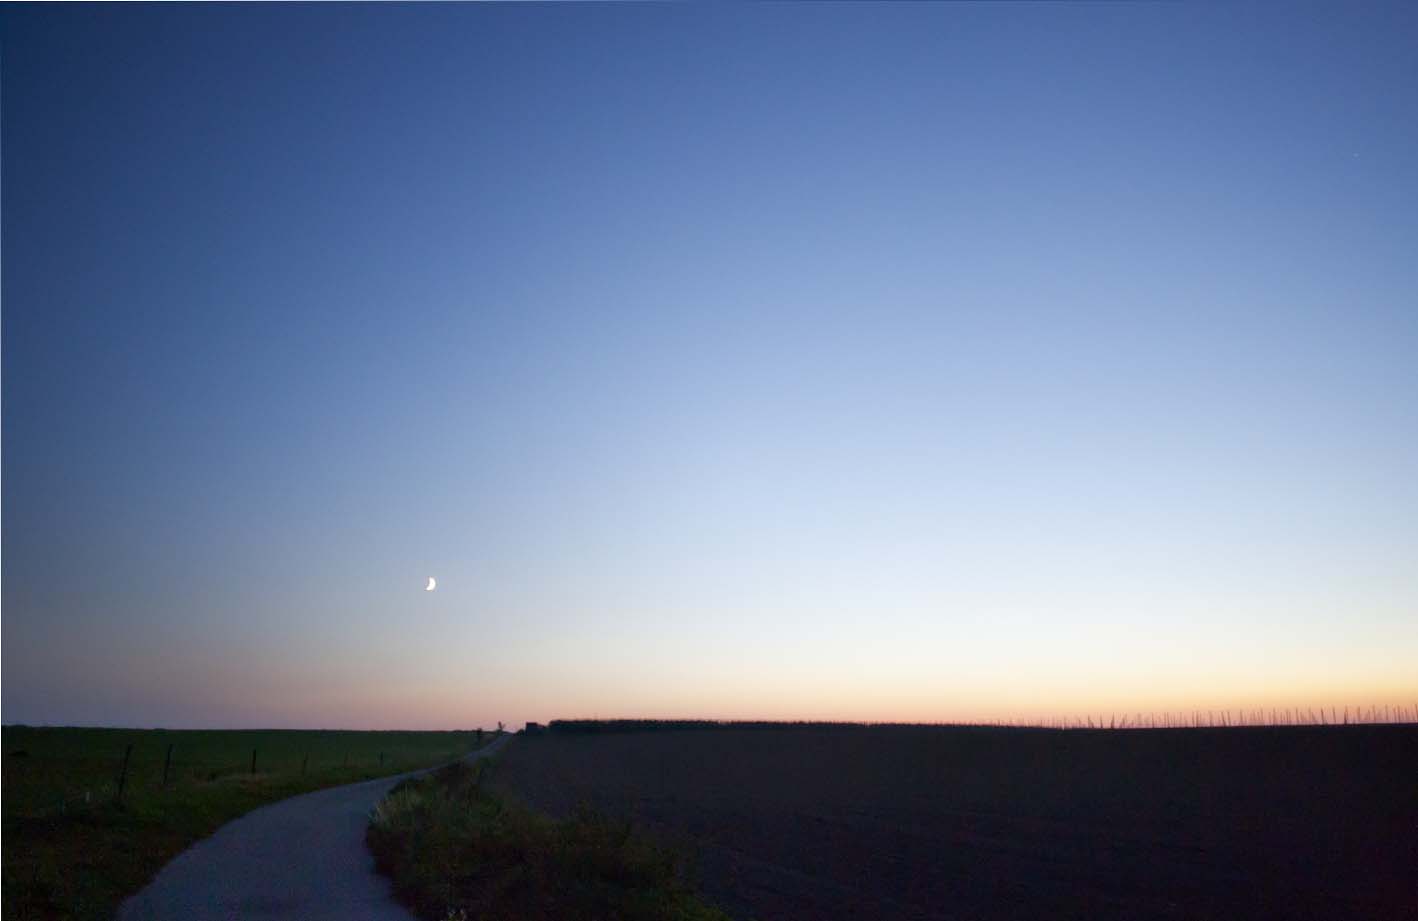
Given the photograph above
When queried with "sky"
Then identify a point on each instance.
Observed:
(892, 362)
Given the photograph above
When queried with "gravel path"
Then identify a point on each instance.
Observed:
(301, 858)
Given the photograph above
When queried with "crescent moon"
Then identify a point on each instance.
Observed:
(432, 584)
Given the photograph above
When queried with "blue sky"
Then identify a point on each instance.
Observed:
(872, 362)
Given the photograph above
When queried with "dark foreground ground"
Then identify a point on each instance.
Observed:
(906, 822)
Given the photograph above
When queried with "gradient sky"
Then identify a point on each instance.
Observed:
(890, 362)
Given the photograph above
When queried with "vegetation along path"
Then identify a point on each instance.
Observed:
(301, 858)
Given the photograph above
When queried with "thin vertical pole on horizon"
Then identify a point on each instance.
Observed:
(123, 774)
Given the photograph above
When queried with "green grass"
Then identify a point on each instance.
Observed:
(456, 851)
(73, 850)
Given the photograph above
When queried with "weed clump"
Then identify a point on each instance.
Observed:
(453, 849)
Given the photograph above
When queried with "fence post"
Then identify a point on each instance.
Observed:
(381, 761)
(123, 774)
(253, 761)
(303, 762)
(166, 766)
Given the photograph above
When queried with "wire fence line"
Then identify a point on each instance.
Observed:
(1255, 717)
(45, 780)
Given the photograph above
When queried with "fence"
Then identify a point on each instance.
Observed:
(63, 771)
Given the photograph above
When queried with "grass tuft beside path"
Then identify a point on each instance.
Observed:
(456, 851)
(74, 850)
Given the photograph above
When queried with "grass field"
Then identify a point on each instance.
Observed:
(74, 849)
(1307, 823)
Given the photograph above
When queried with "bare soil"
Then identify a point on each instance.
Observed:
(955, 823)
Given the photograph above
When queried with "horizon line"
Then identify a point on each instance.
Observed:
(1214, 718)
